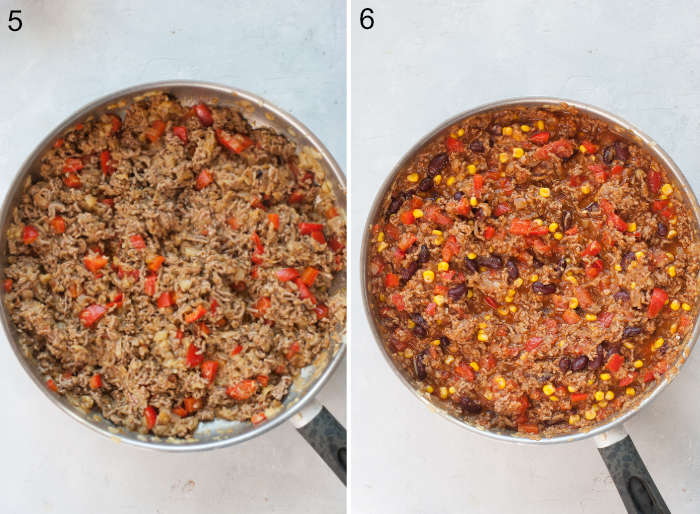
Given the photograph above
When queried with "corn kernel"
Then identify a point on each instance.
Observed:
(443, 266)
(408, 353)
(382, 246)
(450, 181)
(638, 364)
(470, 293)
(631, 227)
(435, 342)
(553, 227)
(512, 308)
(572, 389)
(501, 382)
(507, 131)
(417, 213)
(413, 177)
(591, 317)
(617, 267)
(603, 403)
(380, 237)
(382, 298)
(460, 132)
(548, 389)
(630, 391)
(518, 152)
(437, 232)
(471, 256)
(675, 305)
(533, 278)
(666, 189)
(590, 414)
(585, 189)
(473, 202)
(685, 306)
(474, 366)
(605, 376)
(439, 299)
(574, 419)
(503, 157)
(439, 240)
(628, 345)
(525, 128)
(609, 395)
(673, 220)
(673, 328)
(582, 149)
(437, 179)
(411, 323)
(671, 234)
(538, 222)
(428, 276)
(599, 395)
(633, 285)
(443, 393)
(452, 390)
(658, 343)
(573, 303)
(471, 169)
(482, 336)
(502, 311)
(571, 278)
(558, 236)
(545, 192)
(554, 398)
(518, 282)
(488, 395)
(449, 359)
(540, 125)
(429, 388)
(639, 255)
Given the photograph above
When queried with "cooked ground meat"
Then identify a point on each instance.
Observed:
(534, 271)
(175, 266)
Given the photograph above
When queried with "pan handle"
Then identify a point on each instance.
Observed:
(325, 434)
(634, 483)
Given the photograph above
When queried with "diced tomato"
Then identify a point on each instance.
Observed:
(156, 130)
(58, 143)
(335, 244)
(648, 376)
(654, 181)
(489, 232)
(490, 302)
(196, 314)
(29, 234)
(454, 145)
(91, 314)
(304, 292)
(181, 132)
(52, 385)
(58, 224)
(193, 357)
(590, 147)
(137, 242)
(450, 248)
(258, 250)
(258, 418)
(318, 236)
(155, 262)
(500, 209)
(165, 299)
(149, 285)
(541, 138)
(73, 165)
(286, 274)
(406, 241)
(615, 361)
(235, 142)
(465, 371)
(306, 228)
(238, 349)
(533, 343)
(106, 163)
(397, 301)
(592, 249)
(203, 180)
(242, 390)
(570, 316)
(151, 416)
(7, 285)
(407, 218)
(321, 311)
(657, 302)
(391, 280)
(308, 276)
(520, 227)
(616, 221)
(463, 208)
(594, 268)
(261, 306)
(530, 428)
(561, 148)
(204, 114)
(616, 170)
(274, 220)
(95, 381)
(478, 185)
(116, 123)
(578, 397)
(95, 262)
(625, 381)
(434, 213)
(192, 404)
(600, 172)
(295, 197)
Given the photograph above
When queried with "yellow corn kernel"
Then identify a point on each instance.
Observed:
(638, 364)
(525, 128)
(631, 227)
(511, 292)
(658, 343)
(488, 395)
(571, 278)
(617, 267)
(605, 377)
(582, 149)
(633, 285)
(473, 202)
(554, 398)
(417, 213)
(411, 323)
(603, 403)
(585, 189)
(599, 395)
(474, 366)
(558, 236)
(435, 342)
(639, 255)
(518, 282)
(591, 317)
(382, 246)
(628, 345)
(673, 328)
(443, 393)
(471, 256)
(382, 298)
(460, 132)
(673, 220)
(630, 391)
(436, 232)
(685, 306)
(439, 240)
(413, 177)
(518, 152)
(553, 227)
(437, 179)
(533, 278)
(380, 237)
(408, 353)
(574, 419)
(439, 299)
(471, 169)
(503, 157)
(671, 234)
(666, 189)
(502, 311)
(501, 382)
(507, 131)
(428, 276)
(675, 305)
(512, 308)
(482, 336)
(548, 389)
(609, 395)
(572, 389)
(429, 388)
(452, 390)
(470, 293)
(671, 271)
(590, 414)
(540, 125)
(573, 302)
(450, 181)
(545, 192)
(443, 266)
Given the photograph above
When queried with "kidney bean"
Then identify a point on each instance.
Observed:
(631, 331)
(627, 258)
(469, 264)
(622, 296)
(469, 405)
(567, 219)
(437, 164)
(564, 364)
(492, 261)
(419, 366)
(456, 292)
(608, 154)
(394, 206)
(444, 342)
(622, 152)
(495, 130)
(540, 288)
(661, 229)
(409, 271)
(579, 363)
(512, 270)
(423, 255)
(458, 195)
(420, 331)
(612, 349)
(426, 184)
(561, 265)
(476, 146)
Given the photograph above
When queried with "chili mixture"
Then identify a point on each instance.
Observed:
(535, 270)
(175, 266)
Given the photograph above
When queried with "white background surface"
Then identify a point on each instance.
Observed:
(427, 61)
(70, 53)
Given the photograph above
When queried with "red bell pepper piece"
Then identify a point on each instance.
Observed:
(654, 181)
(261, 306)
(258, 418)
(156, 130)
(407, 218)
(151, 416)
(578, 397)
(594, 268)
(306, 228)
(203, 180)
(234, 142)
(321, 311)
(615, 361)
(95, 381)
(149, 285)
(165, 300)
(238, 349)
(72, 180)
(73, 165)
(293, 350)
(490, 302)
(181, 132)
(406, 241)
(657, 302)
(391, 280)
(137, 242)
(29, 234)
(590, 147)
(465, 371)
(274, 220)
(489, 232)
(193, 357)
(592, 249)
(95, 262)
(204, 114)
(308, 276)
(58, 224)
(116, 123)
(520, 227)
(196, 314)
(397, 302)
(318, 236)
(106, 163)
(332, 212)
(52, 385)
(454, 145)
(533, 343)
(91, 314)
(286, 274)
(304, 292)
(541, 138)
(242, 390)
(7, 285)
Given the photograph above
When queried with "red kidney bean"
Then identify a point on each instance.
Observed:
(566, 220)
(456, 292)
(627, 258)
(608, 154)
(469, 264)
(631, 331)
(476, 146)
(622, 152)
(540, 288)
(564, 364)
(437, 164)
(579, 363)
(469, 405)
(394, 206)
(420, 330)
(661, 229)
(409, 271)
(622, 296)
(419, 366)
(423, 255)
(458, 195)
(495, 130)
(492, 261)
(512, 270)
(426, 184)
(444, 342)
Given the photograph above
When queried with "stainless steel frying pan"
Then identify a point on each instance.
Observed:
(312, 420)
(635, 485)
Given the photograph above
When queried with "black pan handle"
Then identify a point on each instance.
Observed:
(325, 435)
(632, 479)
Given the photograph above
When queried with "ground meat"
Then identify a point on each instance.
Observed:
(146, 266)
(554, 259)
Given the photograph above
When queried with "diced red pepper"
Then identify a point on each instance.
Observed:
(242, 390)
(578, 397)
(165, 299)
(615, 361)
(238, 349)
(335, 244)
(306, 228)
(434, 213)
(91, 314)
(406, 241)
(391, 280)
(52, 385)
(154, 263)
(478, 185)
(73, 165)
(116, 123)
(193, 357)
(520, 227)
(654, 181)
(454, 145)
(616, 221)
(196, 314)
(274, 220)
(203, 180)
(58, 224)
(204, 114)
(625, 381)
(331, 213)
(237, 143)
(29, 234)
(318, 236)
(261, 306)
(106, 163)
(397, 301)
(304, 292)
(308, 276)
(72, 180)
(258, 418)
(657, 302)
(156, 130)
(181, 132)
(151, 416)
(293, 350)
(533, 343)
(407, 218)
(465, 371)
(570, 316)
(500, 209)
(530, 428)
(590, 147)
(263, 380)
(321, 311)
(295, 197)
(149, 285)
(95, 262)
(137, 242)
(258, 250)
(616, 170)
(95, 381)
(540, 138)
(594, 268)
(450, 248)
(489, 232)
(592, 249)
(286, 274)
(490, 302)
(7, 285)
